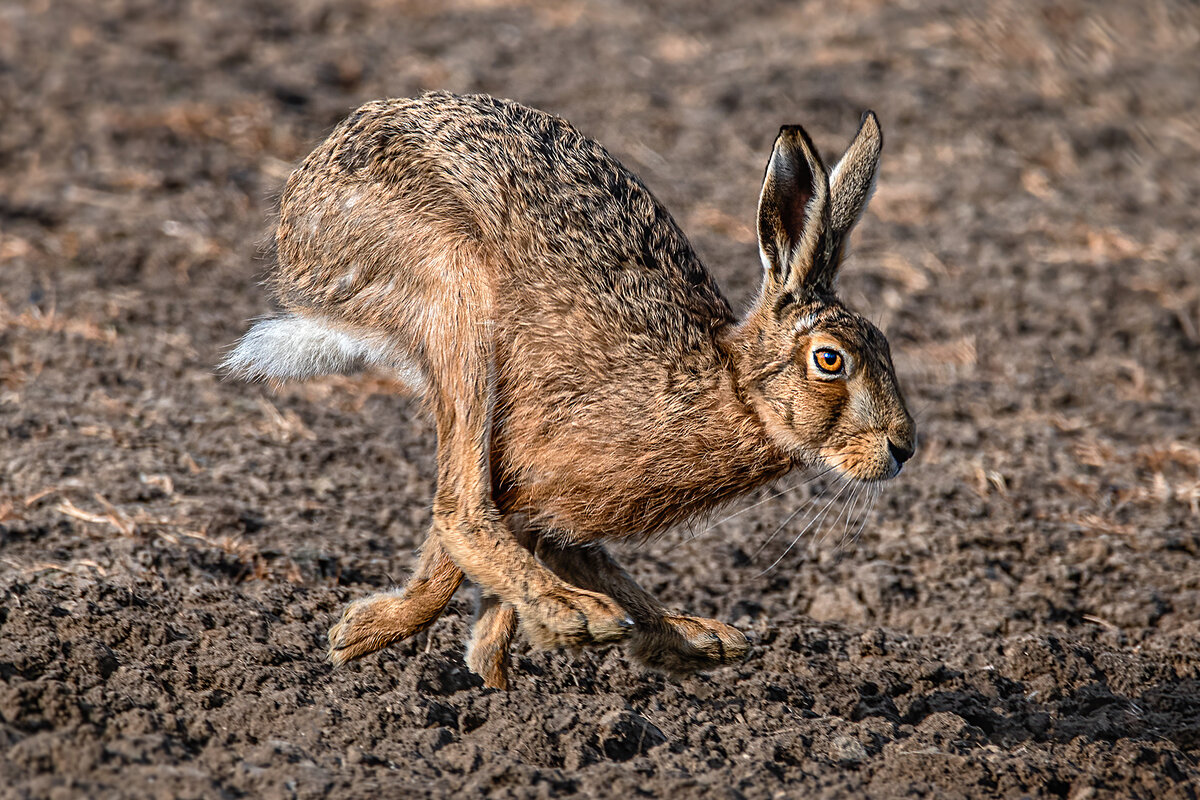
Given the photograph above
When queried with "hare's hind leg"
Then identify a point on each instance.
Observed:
(491, 636)
(375, 622)
(475, 534)
(672, 643)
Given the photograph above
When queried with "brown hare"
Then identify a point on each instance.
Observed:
(587, 378)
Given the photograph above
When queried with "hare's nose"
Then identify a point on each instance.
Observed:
(899, 452)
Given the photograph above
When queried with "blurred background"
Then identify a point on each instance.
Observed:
(1031, 252)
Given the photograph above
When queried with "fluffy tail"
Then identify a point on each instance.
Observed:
(296, 347)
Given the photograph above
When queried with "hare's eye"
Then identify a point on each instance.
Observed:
(828, 360)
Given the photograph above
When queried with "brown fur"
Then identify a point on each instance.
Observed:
(588, 379)
(487, 652)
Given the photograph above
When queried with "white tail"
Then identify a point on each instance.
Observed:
(297, 347)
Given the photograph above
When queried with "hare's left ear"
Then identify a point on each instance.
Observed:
(853, 179)
(793, 213)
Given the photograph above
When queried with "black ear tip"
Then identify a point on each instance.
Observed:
(796, 136)
(792, 133)
(869, 120)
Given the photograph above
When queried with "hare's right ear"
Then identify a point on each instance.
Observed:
(793, 214)
(853, 178)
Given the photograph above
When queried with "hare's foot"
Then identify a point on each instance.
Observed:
(367, 625)
(375, 622)
(570, 617)
(487, 652)
(681, 645)
(664, 641)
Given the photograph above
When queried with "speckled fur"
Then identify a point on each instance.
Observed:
(588, 379)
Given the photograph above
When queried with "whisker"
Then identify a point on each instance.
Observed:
(920, 413)
(859, 492)
(846, 507)
(820, 530)
(803, 507)
(819, 523)
(875, 492)
(805, 530)
(774, 494)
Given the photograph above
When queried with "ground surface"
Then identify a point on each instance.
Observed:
(1018, 616)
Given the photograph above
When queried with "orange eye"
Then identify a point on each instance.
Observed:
(828, 360)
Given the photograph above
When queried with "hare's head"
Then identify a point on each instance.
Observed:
(819, 375)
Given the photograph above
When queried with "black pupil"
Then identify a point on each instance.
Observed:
(828, 359)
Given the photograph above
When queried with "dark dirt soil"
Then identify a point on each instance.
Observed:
(1018, 616)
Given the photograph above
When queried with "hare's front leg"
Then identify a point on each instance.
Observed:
(672, 643)
(375, 622)
(478, 539)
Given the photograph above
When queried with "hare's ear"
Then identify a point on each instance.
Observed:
(793, 213)
(853, 178)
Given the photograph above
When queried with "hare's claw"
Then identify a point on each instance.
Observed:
(681, 645)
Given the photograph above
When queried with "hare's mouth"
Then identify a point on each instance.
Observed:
(869, 459)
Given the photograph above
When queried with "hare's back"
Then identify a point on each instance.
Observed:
(553, 204)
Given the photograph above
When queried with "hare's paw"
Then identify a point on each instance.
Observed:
(367, 625)
(682, 645)
(570, 617)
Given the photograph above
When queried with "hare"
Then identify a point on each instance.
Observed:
(587, 378)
